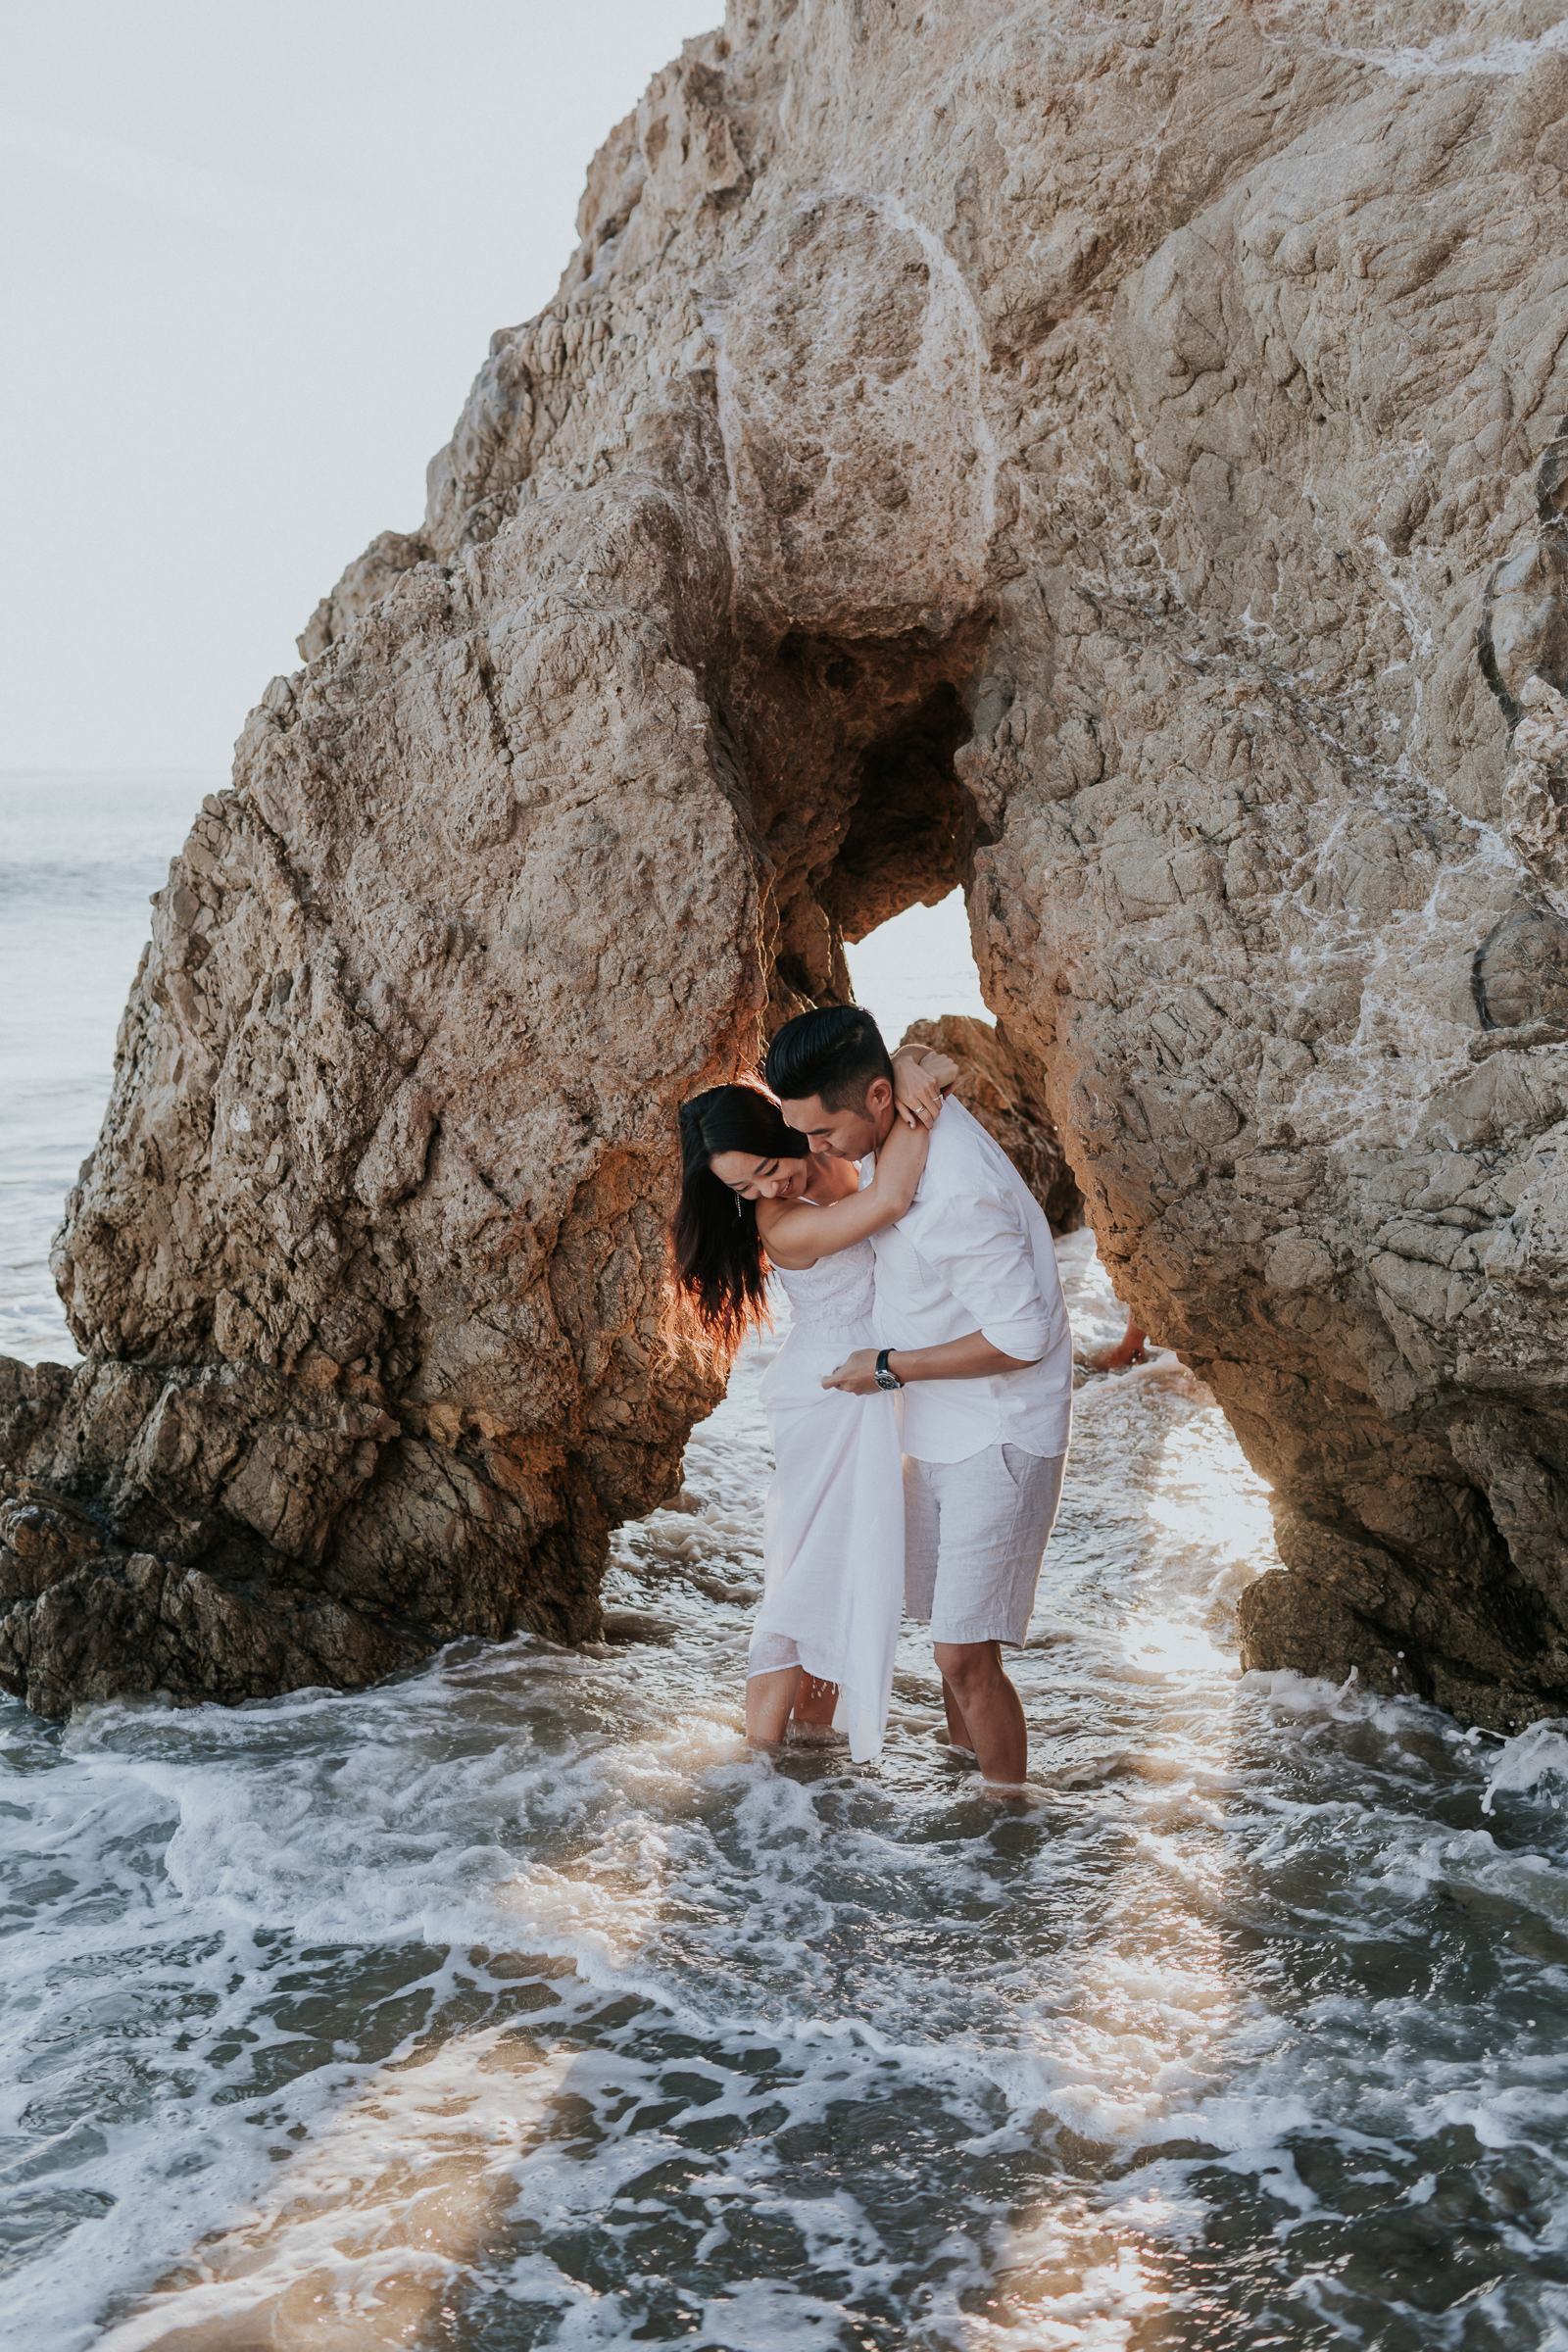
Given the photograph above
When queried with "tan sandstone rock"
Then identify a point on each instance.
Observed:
(1114, 460)
(1006, 1092)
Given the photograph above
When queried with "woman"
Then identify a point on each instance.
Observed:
(754, 1195)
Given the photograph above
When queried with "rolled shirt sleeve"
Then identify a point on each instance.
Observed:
(985, 1259)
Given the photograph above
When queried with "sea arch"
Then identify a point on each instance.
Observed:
(996, 458)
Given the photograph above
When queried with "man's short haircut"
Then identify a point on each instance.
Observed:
(834, 1054)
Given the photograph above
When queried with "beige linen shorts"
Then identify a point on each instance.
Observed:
(974, 1534)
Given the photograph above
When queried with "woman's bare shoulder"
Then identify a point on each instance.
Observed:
(787, 1234)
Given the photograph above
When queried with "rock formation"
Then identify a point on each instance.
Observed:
(1006, 1092)
(1112, 459)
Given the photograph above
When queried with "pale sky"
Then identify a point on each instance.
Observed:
(255, 250)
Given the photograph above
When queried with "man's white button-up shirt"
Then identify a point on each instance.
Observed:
(974, 1253)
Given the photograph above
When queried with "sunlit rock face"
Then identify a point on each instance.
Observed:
(1110, 461)
(1006, 1091)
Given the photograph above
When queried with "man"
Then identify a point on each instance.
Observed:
(969, 1299)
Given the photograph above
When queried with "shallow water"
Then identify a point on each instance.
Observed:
(516, 2005)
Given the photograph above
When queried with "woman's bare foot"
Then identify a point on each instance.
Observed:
(768, 1700)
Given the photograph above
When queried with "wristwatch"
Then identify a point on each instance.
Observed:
(886, 1379)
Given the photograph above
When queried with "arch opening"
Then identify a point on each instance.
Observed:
(848, 751)
(847, 748)
(911, 830)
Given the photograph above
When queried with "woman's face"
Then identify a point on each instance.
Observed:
(756, 1179)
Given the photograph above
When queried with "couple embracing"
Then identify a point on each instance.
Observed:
(920, 1407)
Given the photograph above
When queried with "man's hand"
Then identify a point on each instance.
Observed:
(970, 1358)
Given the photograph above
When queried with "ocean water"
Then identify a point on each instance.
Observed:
(516, 2004)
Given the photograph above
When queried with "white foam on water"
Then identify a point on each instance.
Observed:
(1526, 1760)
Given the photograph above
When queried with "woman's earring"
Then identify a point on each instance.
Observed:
(735, 1196)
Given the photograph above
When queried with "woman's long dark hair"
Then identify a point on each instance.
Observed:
(720, 1264)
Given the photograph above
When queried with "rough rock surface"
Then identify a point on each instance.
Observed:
(1114, 458)
(1006, 1092)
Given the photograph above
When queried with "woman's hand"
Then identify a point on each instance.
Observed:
(920, 1079)
(900, 1167)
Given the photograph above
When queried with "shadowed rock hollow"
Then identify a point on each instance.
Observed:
(1113, 462)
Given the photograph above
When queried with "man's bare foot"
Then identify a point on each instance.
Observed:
(987, 1708)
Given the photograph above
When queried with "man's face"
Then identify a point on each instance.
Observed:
(847, 1134)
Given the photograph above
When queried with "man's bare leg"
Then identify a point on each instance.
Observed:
(815, 1701)
(957, 1729)
(992, 1710)
(768, 1700)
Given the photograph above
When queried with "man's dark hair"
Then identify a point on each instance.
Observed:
(834, 1054)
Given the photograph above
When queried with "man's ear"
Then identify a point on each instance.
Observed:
(879, 1095)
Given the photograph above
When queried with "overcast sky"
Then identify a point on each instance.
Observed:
(254, 252)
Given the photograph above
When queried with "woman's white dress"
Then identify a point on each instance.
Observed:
(833, 1526)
